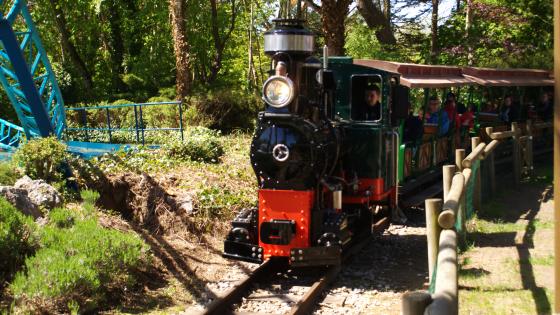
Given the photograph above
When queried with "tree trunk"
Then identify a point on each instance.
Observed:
(387, 10)
(434, 41)
(69, 47)
(116, 44)
(181, 48)
(379, 20)
(468, 23)
(219, 42)
(333, 16)
(251, 72)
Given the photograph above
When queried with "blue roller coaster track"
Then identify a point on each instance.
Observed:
(28, 78)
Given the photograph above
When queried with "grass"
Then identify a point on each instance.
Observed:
(547, 260)
(502, 300)
(493, 226)
(505, 276)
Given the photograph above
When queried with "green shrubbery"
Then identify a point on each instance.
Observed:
(42, 158)
(17, 239)
(79, 262)
(224, 110)
(200, 144)
(8, 174)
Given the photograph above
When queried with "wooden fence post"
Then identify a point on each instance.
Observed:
(475, 141)
(448, 173)
(459, 157)
(516, 154)
(445, 296)
(433, 208)
(415, 303)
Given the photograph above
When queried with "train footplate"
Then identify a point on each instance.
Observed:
(316, 256)
(243, 251)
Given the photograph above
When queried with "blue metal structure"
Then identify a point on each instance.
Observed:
(26, 74)
(10, 135)
(139, 126)
(31, 86)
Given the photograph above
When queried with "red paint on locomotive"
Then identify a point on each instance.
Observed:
(289, 205)
(374, 185)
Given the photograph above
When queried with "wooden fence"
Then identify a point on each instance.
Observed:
(445, 219)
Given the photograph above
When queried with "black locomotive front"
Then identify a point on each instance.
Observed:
(293, 154)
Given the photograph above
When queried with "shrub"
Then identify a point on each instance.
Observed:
(42, 158)
(200, 144)
(62, 218)
(17, 239)
(224, 110)
(79, 262)
(8, 174)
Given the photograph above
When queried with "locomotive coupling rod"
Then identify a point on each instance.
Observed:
(448, 214)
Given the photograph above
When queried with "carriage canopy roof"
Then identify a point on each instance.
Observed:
(508, 77)
(432, 76)
(420, 76)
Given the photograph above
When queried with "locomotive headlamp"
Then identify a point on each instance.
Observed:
(278, 91)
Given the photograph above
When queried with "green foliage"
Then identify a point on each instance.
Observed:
(504, 33)
(41, 158)
(139, 159)
(8, 174)
(79, 262)
(200, 144)
(224, 110)
(17, 239)
(62, 218)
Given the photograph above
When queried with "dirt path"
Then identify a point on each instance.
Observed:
(508, 268)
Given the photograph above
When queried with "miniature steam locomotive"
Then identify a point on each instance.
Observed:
(322, 173)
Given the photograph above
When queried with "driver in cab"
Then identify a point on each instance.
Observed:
(372, 111)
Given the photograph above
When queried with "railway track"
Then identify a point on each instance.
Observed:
(314, 280)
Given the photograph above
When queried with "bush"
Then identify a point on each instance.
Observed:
(17, 239)
(79, 263)
(42, 158)
(8, 174)
(224, 110)
(62, 218)
(200, 144)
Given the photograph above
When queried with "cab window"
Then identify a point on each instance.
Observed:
(367, 98)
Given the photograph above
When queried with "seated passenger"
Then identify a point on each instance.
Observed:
(451, 110)
(509, 112)
(373, 104)
(545, 108)
(413, 129)
(467, 118)
(437, 116)
(458, 105)
(490, 108)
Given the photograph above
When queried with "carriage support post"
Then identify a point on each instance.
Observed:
(530, 148)
(516, 154)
